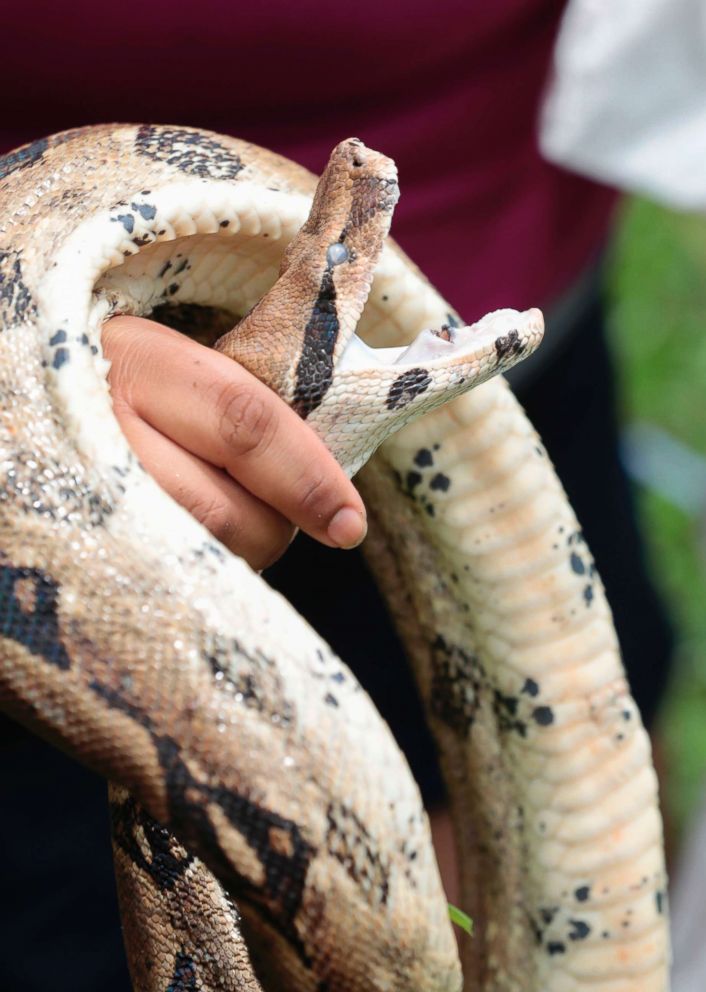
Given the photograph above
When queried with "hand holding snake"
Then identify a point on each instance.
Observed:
(224, 446)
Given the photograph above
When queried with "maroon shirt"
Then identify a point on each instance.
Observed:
(449, 88)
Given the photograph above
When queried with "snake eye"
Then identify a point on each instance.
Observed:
(336, 254)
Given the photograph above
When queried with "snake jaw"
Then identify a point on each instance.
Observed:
(316, 362)
(511, 334)
(376, 391)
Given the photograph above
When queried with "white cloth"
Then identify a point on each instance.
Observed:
(627, 101)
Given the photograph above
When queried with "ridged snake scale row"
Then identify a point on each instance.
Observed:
(267, 831)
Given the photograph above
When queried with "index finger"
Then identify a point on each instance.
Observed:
(216, 409)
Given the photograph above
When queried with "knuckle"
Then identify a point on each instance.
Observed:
(216, 516)
(318, 497)
(246, 421)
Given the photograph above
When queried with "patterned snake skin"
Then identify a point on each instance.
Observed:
(247, 763)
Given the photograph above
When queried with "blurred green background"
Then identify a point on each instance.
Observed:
(657, 307)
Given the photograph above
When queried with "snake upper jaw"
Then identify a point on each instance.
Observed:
(513, 335)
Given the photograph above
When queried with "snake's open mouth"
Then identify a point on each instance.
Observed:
(507, 331)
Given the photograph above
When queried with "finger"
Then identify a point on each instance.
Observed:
(217, 410)
(246, 525)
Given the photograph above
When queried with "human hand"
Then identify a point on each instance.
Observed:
(225, 446)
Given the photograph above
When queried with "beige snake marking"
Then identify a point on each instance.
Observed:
(133, 640)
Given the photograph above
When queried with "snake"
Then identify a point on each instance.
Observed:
(267, 831)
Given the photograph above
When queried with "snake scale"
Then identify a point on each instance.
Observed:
(267, 831)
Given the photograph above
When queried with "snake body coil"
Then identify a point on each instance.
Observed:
(247, 762)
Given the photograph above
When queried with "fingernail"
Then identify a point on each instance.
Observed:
(348, 527)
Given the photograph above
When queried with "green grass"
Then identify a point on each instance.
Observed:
(461, 919)
(657, 294)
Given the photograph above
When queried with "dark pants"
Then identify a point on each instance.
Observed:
(59, 928)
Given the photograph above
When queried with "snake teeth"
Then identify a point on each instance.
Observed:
(438, 345)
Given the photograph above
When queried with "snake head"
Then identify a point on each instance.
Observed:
(300, 338)
(352, 207)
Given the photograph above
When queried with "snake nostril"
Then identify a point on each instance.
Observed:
(357, 152)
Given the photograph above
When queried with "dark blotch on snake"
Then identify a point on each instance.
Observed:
(118, 700)
(145, 210)
(508, 344)
(22, 157)
(440, 482)
(407, 387)
(456, 682)
(29, 615)
(505, 710)
(285, 863)
(314, 373)
(412, 480)
(167, 863)
(184, 978)
(127, 220)
(191, 152)
(61, 357)
(16, 303)
(351, 844)
(424, 458)
(579, 930)
(508, 703)
(543, 715)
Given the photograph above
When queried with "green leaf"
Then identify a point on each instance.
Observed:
(460, 918)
